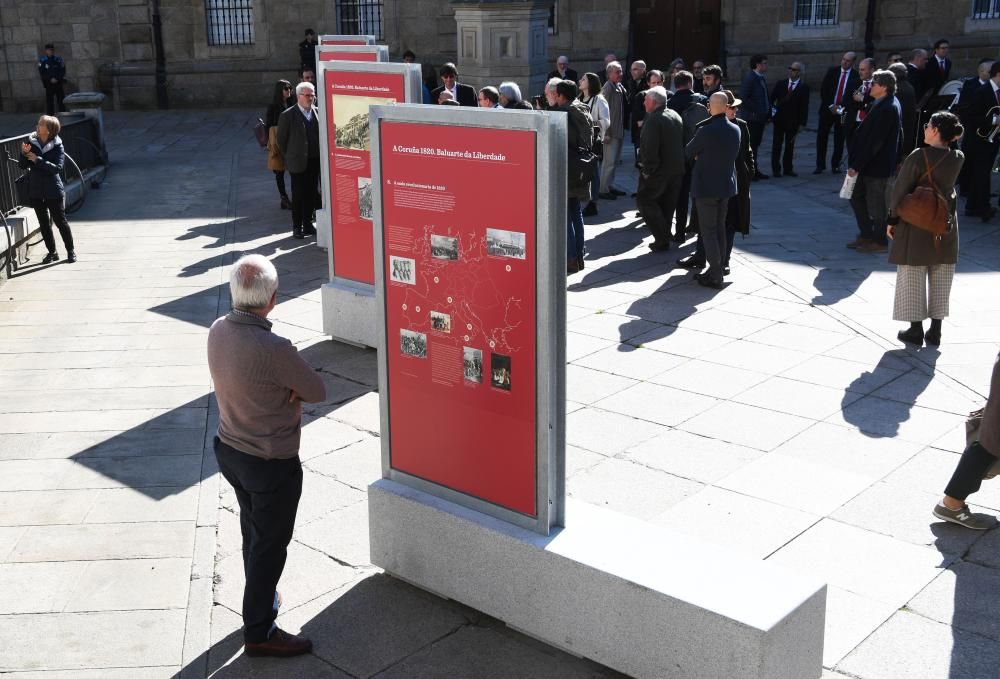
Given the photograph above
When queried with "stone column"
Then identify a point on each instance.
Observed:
(502, 40)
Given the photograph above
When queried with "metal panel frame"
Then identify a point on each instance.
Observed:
(550, 302)
(381, 52)
(357, 39)
(413, 92)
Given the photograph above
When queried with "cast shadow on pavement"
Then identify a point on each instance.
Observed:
(381, 626)
(884, 420)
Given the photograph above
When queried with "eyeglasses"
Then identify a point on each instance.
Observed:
(310, 96)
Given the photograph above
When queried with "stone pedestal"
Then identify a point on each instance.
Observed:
(89, 104)
(505, 40)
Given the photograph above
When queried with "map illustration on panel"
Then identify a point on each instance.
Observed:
(350, 120)
(463, 295)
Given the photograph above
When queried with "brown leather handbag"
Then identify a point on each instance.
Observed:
(925, 207)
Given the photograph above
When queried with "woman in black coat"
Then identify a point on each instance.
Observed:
(280, 98)
(43, 156)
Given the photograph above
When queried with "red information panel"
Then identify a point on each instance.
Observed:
(460, 307)
(333, 55)
(348, 96)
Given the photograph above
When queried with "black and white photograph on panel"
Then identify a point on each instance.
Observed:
(365, 197)
(472, 364)
(413, 343)
(440, 321)
(502, 243)
(444, 247)
(500, 371)
(402, 270)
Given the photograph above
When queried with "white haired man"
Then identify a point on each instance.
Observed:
(617, 97)
(661, 160)
(563, 71)
(298, 140)
(260, 384)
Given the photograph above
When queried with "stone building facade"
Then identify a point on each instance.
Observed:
(770, 27)
(109, 45)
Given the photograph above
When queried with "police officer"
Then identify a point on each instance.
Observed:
(52, 71)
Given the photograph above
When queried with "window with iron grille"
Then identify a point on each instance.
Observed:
(360, 17)
(986, 9)
(816, 12)
(229, 22)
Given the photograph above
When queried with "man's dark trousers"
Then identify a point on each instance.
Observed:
(304, 195)
(870, 207)
(54, 98)
(783, 137)
(826, 121)
(268, 492)
(657, 199)
(756, 135)
(683, 201)
(712, 223)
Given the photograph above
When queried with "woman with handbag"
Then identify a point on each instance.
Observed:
(978, 462)
(590, 95)
(43, 156)
(280, 99)
(923, 226)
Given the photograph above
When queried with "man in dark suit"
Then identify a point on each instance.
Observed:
(756, 108)
(872, 159)
(691, 107)
(915, 73)
(961, 109)
(714, 149)
(307, 52)
(298, 140)
(465, 95)
(838, 83)
(791, 111)
(661, 163)
(860, 100)
(907, 108)
(980, 153)
(938, 69)
(563, 71)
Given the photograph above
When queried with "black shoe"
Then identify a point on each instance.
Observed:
(932, 337)
(760, 175)
(725, 271)
(71, 256)
(297, 233)
(691, 262)
(51, 257)
(680, 238)
(607, 196)
(590, 210)
(819, 170)
(309, 230)
(707, 282)
(791, 174)
(911, 336)
(634, 195)
(659, 247)
(616, 192)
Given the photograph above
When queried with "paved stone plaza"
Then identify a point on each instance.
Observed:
(779, 417)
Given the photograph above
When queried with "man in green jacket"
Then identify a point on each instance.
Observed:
(661, 161)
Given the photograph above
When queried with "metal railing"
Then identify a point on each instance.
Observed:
(81, 142)
(229, 22)
(986, 9)
(816, 12)
(360, 17)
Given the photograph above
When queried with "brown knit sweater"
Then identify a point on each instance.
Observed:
(255, 372)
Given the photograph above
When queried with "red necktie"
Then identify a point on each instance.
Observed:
(864, 93)
(840, 88)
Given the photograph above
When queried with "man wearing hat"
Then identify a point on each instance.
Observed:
(52, 71)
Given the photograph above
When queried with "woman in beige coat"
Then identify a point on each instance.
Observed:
(925, 268)
(281, 99)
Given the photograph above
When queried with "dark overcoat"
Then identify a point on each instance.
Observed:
(44, 178)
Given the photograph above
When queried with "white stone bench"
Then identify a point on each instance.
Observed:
(638, 598)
